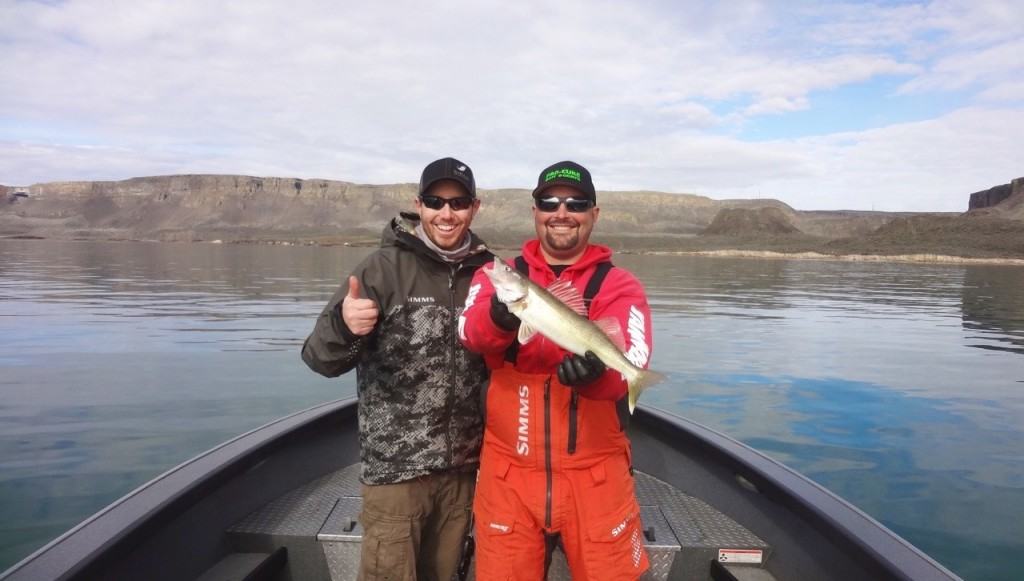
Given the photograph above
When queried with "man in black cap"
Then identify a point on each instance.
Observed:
(395, 322)
(555, 464)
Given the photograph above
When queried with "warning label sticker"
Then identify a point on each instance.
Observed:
(739, 555)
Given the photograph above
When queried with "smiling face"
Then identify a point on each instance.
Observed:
(446, 227)
(563, 234)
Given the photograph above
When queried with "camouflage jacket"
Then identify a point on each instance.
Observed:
(419, 403)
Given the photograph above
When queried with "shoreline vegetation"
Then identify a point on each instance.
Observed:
(911, 258)
(233, 209)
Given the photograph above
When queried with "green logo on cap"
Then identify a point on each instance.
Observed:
(565, 172)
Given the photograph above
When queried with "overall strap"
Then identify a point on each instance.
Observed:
(521, 265)
(595, 282)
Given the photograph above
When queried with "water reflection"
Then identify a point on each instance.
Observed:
(993, 308)
(881, 289)
(238, 297)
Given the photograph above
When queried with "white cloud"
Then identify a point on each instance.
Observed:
(653, 94)
(961, 70)
(930, 165)
(73, 163)
(1011, 91)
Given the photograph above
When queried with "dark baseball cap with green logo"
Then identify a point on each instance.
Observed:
(566, 173)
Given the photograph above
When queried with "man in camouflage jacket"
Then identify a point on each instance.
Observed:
(420, 424)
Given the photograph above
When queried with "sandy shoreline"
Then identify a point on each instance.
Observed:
(771, 255)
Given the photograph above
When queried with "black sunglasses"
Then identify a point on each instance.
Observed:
(437, 202)
(571, 204)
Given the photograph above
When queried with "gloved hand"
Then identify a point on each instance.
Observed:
(501, 315)
(575, 370)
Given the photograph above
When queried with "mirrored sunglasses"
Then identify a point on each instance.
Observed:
(437, 202)
(571, 204)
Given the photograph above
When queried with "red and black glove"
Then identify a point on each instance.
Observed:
(578, 371)
(501, 315)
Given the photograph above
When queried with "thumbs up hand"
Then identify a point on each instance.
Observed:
(359, 314)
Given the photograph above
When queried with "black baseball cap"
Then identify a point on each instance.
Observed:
(448, 168)
(566, 173)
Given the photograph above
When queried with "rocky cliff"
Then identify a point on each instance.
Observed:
(1008, 201)
(202, 207)
(226, 207)
(996, 195)
(288, 210)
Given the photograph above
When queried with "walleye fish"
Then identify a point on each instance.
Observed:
(558, 313)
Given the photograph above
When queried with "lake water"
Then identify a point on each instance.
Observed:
(898, 386)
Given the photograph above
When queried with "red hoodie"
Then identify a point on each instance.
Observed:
(621, 296)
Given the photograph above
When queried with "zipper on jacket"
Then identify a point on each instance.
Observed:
(453, 348)
(574, 403)
(547, 450)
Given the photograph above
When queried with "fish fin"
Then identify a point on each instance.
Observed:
(644, 379)
(565, 292)
(526, 333)
(611, 327)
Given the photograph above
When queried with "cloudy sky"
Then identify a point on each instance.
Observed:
(886, 106)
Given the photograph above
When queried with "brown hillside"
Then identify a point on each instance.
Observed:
(1012, 208)
(981, 235)
(741, 221)
(208, 207)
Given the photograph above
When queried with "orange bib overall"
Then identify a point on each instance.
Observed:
(554, 462)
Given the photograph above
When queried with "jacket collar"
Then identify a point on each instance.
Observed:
(593, 254)
(401, 232)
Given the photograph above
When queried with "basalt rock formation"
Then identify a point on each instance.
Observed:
(996, 195)
(1005, 201)
(245, 208)
(202, 207)
(232, 208)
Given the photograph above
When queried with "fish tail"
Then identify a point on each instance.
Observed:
(641, 381)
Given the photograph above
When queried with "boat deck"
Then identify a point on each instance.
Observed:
(318, 525)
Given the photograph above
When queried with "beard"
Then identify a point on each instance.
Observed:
(562, 241)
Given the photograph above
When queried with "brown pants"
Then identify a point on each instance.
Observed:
(413, 530)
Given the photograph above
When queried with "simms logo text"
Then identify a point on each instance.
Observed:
(523, 439)
(639, 352)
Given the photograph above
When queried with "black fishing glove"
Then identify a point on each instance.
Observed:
(576, 371)
(501, 315)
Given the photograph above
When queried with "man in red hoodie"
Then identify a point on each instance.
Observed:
(555, 465)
